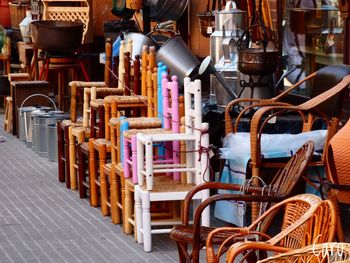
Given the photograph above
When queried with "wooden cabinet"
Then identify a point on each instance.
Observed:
(101, 12)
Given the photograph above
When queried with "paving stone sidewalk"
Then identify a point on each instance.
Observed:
(43, 221)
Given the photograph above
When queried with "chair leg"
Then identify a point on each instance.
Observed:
(146, 222)
(92, 168)
(183, 253)
(138, 216)
(81, 173)
(67, 161)
(60, 152)
(128, 209)
(114, 189)
(72, 160)
(103, 180)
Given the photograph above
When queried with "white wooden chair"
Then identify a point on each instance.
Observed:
(164, 188)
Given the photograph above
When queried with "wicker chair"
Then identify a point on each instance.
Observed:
(325, 252)
(301, 226)
(338, 170)
(329, 86)
(281, 186)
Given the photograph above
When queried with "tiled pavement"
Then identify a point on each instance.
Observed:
(43, 221)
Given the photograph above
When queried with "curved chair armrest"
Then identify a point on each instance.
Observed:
(237, 235)
(258, 103)
(240, 247)
(221, 197)
(211, 185)
(228, 120)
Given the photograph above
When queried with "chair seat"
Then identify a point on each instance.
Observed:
(167, 184)
(144, 122)
(97, 103)
(129, 133)
(101, 141)
(78, 130)
(185, 234)
(70, 123)
(125, 99)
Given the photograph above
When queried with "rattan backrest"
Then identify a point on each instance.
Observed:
(325, 79)
(337, 160)
(285, 180)
(322, 225)
(297, 211)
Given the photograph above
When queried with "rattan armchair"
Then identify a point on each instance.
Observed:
(327, 107)
(301, 226)
(325, 252)
(338, 171)
(281, 186)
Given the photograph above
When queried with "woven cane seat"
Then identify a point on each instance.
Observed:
(167, 184)
(97, 103)
(70, 123)
(129, 133)
(144, 122)
(79, 129)
(125, 99)
(102, 141)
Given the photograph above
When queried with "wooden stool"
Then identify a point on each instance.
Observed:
(8, 115)
(62, 65)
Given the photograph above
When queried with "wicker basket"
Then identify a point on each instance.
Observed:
(18, 12)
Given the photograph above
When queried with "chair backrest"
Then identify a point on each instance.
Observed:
(322, 225)
(71, 10)
(286, 179)
(170, 93)
(337, 160)
(326, 78)
(193, 105)
(297, 212)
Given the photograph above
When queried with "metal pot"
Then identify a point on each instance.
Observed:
(61, 36)
(170, 9)
(138, 41)
(257, 61)
(178, 57)
(231, 17)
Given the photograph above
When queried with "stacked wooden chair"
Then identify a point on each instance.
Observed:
(165, 188)
(128, 168)
(112, 198)
(132, 105)
(77, 88)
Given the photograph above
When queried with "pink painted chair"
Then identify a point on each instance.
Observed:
(171, 124)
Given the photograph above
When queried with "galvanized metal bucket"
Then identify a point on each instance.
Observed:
(25, 118)
(50, 118)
